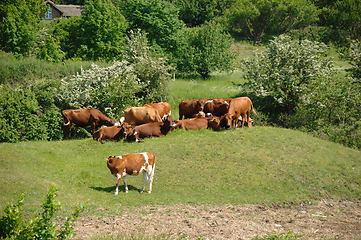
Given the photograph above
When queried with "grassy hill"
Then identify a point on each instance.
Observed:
(256, 165)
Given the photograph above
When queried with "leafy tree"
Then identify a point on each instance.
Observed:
(284, 71)
(197, 12)
(257, 19)
(19, 25)
(158, 18)
(67, 33)
(203, 49)
(102, 31)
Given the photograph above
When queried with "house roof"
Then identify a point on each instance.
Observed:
(67, 10)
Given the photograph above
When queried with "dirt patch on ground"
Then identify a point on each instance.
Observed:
(325, 220)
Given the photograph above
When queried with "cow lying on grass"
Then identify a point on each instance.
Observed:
(113, 132)
(156, 129)
(132, 164)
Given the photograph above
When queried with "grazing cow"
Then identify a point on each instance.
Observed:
(112, 132)
(190, 108)
(132, 164)
(84, 117)
(239, 107)
(140, 115)
(163, 108)
(217, 107)
(156, 129)
(191, 124)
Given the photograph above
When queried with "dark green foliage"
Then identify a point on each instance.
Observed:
(102, 31)
(19, 25)
(40, 226)
(257, 20)
(197, 12)
(203, 50)
(158, 18)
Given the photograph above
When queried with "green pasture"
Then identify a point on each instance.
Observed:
(256, 165)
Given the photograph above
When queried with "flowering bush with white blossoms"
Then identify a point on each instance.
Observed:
(137, 79)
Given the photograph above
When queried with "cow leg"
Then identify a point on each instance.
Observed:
(151, 179)
(66, 132)
(125, 184)
(145, 180)
(119, 176)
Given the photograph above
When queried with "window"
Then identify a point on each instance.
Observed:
(49, 13)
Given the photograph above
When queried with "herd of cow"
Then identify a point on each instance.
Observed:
(154, 120)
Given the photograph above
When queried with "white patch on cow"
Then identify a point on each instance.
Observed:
(146, 157)
(145, 167)
(209, 101)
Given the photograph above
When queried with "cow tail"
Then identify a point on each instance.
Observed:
(253, 109)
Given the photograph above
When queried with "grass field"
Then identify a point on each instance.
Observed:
(257, 165)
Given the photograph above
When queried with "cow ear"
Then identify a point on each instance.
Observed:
(106, 159)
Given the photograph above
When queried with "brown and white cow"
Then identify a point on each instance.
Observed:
(84, 117)
(140, 115)
(163, 108)
(156, 129)
(217, 107)
(132, 164)
(113, 132)
(190, 108)
(191, 124)
(239, 107)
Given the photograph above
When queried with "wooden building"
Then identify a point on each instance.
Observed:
(58, 11)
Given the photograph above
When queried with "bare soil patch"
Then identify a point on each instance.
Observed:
(326, 220)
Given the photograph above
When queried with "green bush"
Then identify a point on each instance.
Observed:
(203, 50)
(40, 226)
(139, 78)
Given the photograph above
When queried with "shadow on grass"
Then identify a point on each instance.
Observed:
(112, 189)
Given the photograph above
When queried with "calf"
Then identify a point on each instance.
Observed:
(217, 107)
(140, 115)
(163, 109)
(190, 108)
(156, 129)
(132, 164)
(112, 133)
(191, 124)
(239, 107)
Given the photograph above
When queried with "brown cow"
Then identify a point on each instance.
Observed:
(239, 107)
(140, 115)
(84, 117)
(191, 124)
(156, 129)
(163, 108)
(132, 164)
(190, 108)
(112, 132)
(217, 107)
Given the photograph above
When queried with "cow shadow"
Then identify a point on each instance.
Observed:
(112, 188)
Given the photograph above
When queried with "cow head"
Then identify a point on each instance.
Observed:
(227, 120)
(200, 105)
(167, 125)
(214, 123)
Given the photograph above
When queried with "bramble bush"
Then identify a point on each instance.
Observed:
(40, 226)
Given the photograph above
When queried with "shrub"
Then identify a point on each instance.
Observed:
(41, 226)
(137, 79)
(283, 73)
(203, 50)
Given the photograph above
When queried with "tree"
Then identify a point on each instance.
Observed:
(203, 49)
(283, 72)
(354, 59)
(102, 32)
(256, 19)
(158, 18)
(196, 12)
(19, 25)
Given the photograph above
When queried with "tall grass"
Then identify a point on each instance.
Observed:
(14, 70)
